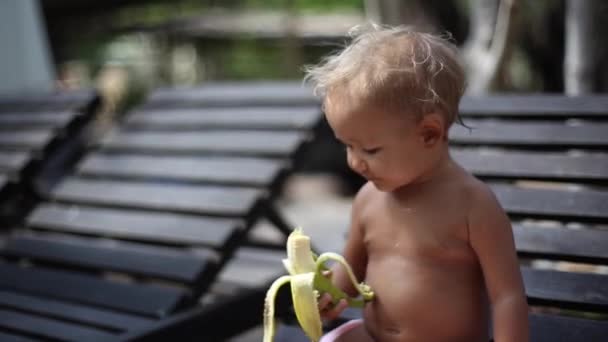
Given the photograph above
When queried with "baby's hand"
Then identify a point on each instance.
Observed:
(328, 310)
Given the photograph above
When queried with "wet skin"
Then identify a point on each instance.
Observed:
(428, 282)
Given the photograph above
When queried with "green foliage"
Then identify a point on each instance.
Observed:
(248, 59)
(240, 58)
(158, 12)
(306, 5)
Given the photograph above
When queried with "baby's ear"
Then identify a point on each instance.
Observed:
(431, 129)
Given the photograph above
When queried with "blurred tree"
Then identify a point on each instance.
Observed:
(487, 49)
(581, 50)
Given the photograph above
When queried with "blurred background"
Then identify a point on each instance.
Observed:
(137, 45)
(127, 48)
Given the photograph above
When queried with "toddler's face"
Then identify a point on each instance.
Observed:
(387, 149)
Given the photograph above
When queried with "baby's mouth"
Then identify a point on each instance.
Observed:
(368, 177)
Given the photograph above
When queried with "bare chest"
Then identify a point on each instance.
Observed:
(422, 228)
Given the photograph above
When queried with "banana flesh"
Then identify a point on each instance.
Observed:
(307, 283)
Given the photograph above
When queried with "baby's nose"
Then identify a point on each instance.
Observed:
(356, 163)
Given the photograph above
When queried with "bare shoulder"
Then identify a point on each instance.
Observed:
(481, 196)
(365, 195)
(484, 208)
(361, 205)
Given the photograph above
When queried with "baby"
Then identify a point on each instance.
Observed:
(429, 238)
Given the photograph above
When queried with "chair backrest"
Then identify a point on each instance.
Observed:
(33, 129)
(546, 158)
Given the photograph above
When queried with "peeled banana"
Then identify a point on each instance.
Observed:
(307, 283)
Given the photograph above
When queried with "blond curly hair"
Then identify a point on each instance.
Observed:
(396, 68)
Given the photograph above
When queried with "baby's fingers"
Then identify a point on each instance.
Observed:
(332, 312)
(324, 302)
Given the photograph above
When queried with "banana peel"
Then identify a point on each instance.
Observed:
(308, 282)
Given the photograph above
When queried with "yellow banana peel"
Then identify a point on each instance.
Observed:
(307, 283)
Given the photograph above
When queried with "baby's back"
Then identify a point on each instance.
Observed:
(426, 276)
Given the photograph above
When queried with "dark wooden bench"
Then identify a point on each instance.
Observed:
(126, 245)
(33, 130)
(234, 303)
(546, 158)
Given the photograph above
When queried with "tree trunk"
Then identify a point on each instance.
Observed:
(580, 52)
(291, 45)
(487, 49)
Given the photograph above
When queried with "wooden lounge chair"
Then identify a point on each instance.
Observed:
(126, 245)
(33, 131)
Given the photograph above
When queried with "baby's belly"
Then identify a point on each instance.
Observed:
(425, 301)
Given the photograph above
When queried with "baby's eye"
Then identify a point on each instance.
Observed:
(372, 150)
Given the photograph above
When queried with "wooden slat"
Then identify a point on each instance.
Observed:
(234, 94)
(40, 119)
(533, 165)
(578, 245)
(105, 319)
(233, 142)
(585, 205)
(136, 225)
(580, 291)
(246, 118)
(135, 260)
(530, 134)
(27, 140)
(14, 161)
(11, 337)
(149, 300)
(552, 328)
(252, 267)
(210, 320)
(536, 105)
(200, 199)
(48, 328)
(235, 170)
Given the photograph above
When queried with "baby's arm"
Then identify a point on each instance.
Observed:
(354, 249)
(491, 237)
(354, 253)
